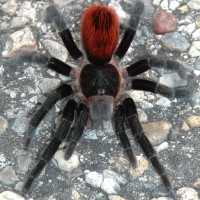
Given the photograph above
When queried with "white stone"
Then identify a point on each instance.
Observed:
(8, 195)
(195, 49)
(110, 186)
(13, 94)
(186, 193)
(194, 4)
(164, 5)
(8, 176)
(27, 11)
(55, 49)
(137, 95)
(146, 105)
(142, 116)
(22, 40)
(2, 158)
(9, 7)
(65, 165)
(48, 84)
(95, 179)
(196, 34)
(165, 102)
(161, 147)
(173, 5)
(189, 29)
(18, 22)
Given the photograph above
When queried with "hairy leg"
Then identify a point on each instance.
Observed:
(53, 16)
(121, 134)
(62, 91)
(139, 136)
(130, 31)
(49, 151)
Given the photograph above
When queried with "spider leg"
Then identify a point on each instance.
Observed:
(62, 91)
(148, 63)
(154, 87)
(80, 123)
(53, 16)
(138, 134)
(52, 63)
(121, 134)
(130, 31)
(48, 153)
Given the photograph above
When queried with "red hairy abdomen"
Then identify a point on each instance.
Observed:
(100, 32)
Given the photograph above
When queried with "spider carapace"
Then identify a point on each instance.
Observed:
(98, 87)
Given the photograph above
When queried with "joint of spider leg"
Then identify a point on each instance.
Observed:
(156, 88)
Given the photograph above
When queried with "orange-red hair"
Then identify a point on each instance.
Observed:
(100, 32)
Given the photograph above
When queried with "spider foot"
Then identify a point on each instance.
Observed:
(33, 174)
(80, 123)
(186, 73)
(135, 17)
(188, 91)
(29, 135)
(53, 16)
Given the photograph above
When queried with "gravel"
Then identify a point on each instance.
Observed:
(99, 169)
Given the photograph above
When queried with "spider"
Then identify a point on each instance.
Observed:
(98, 89)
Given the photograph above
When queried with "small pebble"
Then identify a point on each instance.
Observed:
(75, 195)
(55, 49)
(93, 178)
(3, 125)
(173, 5)
(18, 22)
(196, 34)
(164, 22)
(9, 7)
(175, 42)
(185, 127)
(142, 165)
(164, 4)
(110, 186)
(27, 11)
(8, 176)
(194, 4)
(13, 94)
(8, 195)
(22, 40)
(194, 49)
(20, 125)
(183, 9)
(190, 28)
(193, 121)
(157, 132)
(65, 165)
(162, 147)
(187, 193)
(165, 102)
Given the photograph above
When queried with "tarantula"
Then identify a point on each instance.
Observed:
(99, 87)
